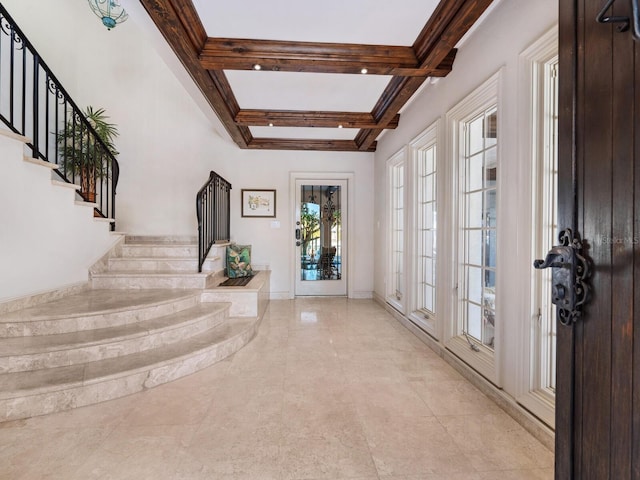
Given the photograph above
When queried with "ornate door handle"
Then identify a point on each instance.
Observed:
(624, 21)
(570, 272)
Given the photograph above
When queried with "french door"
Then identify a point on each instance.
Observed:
(321, 236)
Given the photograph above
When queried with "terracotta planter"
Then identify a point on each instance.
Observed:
(89, 196)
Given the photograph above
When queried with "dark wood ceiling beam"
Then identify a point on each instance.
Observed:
(244, 54)
(191, 23)
(170, 16)
(448, 24)
(432, 54)
(320, 145)
(444, 68)
(298, 118)
(398, 92)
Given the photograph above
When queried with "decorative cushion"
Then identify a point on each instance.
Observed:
(239, 261)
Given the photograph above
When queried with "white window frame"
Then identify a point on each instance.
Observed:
(396, 295)
(426, 140)
(532, 62)
(484, 360)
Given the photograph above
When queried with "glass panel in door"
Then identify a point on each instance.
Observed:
(321, 252)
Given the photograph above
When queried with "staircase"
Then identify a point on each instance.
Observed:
(146, 320)
(145, 264)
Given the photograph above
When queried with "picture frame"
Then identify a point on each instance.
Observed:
(258, 203)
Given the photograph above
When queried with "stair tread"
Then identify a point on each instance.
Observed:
(150, 273)
(85, 338)
(159, 244)
(19, 384)
(96, 302)
(161, 259)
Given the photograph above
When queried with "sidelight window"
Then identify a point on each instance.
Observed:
(424, 215)
(478, 228)
(546, 232)
(396, 282)
(474, 132)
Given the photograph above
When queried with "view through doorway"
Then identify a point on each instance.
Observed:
(321, 240)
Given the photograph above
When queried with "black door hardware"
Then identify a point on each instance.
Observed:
(570, 272)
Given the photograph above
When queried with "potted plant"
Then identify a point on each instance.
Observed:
(82, 155)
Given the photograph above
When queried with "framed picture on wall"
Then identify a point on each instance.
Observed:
(258, 203)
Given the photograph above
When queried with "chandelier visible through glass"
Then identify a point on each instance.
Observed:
(109, 11)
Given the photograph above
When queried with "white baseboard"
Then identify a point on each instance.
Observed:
(280, 296)
(361, 295)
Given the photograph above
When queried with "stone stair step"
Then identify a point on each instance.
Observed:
(248, 301)
(50, 351)
(151, 264)
(146, 250)
(95, 309)
(26, 394)
(139, 279)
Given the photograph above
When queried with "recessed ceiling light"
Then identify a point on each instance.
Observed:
(364, 71)
(271, 124)
(257, 66)
(340, 126)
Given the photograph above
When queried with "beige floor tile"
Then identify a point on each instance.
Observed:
(454, 397)
(384, 399)
(496, 442)
(32, 453)
(438, 476)
(539, 474)
(329, 389)
(320, 388)
(413, 446)
(165, 405)
(326, 455)
(135, 453)
(235, 450)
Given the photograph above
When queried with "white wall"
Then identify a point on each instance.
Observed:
(496, 44)
(46, 241)
(168, 145)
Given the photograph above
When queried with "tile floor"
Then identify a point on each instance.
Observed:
(329, 389)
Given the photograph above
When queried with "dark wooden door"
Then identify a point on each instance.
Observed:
(598, 388)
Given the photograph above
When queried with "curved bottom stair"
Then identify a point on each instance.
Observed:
(105, 344)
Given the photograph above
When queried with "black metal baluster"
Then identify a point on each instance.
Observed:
(47, 114)
(24, 91)
(1, 60)
(36, 106)
(57, 124)
(12, 64)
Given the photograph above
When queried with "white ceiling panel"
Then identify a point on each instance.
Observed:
(314, 133)
(374, 22)
(306, 91)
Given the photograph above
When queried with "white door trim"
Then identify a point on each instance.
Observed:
(349, 177)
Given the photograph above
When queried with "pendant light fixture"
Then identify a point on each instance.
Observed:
(109, 11)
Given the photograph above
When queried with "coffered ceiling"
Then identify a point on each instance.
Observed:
(309, 75)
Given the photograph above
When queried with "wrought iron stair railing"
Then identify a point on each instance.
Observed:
(34, 104)
(214, 216)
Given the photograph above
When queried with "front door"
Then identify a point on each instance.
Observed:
(321, 240)
(598, 355)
